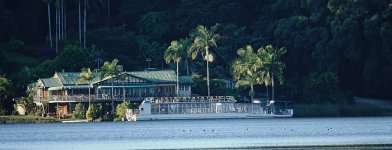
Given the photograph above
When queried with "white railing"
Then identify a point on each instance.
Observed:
(196, 99)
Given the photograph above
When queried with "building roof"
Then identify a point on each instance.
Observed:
(61, 80)
(50, 82)
(71, 78)
(160, 76)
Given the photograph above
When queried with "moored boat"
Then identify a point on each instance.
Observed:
(201, 107)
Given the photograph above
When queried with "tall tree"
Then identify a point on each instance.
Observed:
(246, 69)
(109, 70)
(4, 95)
(203, 39)
(86, 76)
(122, 76)
(174, 53)
(273, 65)
(186, 44)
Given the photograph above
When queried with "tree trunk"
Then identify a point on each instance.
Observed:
(273, 87)
(80, 27)
(50, 27)
(187, 67)
(89, 95)
(178, 85)
(85, 14)
(251, 93)
(62, 19)
(65, 21)
(108, 14)
(267, 92)
(124, 91)
(208, 72)
(112, 96)
(57, 27)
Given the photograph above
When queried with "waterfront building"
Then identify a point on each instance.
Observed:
(60, 93)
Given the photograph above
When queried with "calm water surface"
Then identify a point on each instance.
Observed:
(198, 133)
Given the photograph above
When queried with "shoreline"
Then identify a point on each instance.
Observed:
(38, 120)
(27, 119)
(328, 147)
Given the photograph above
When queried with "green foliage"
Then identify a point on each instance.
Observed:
(323, 88)
(4, 95)
(80, 112)
(28, 103)
(109, 69)
(348, 37)
(203, 38)
(262, 67)
(337, 110)
(72, 58)
(93, 112)
(86, 75)
(122, 109)
(271, 63)
(246, 69)
(155, 23)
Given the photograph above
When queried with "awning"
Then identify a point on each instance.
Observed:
(128, 86)
(68, 87)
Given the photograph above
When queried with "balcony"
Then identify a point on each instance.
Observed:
(85, 98)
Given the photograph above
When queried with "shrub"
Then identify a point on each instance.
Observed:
(80, 112)
(121, 110)
(323, 88)
(93, 112)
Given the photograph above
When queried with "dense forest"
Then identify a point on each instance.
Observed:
(336, 49)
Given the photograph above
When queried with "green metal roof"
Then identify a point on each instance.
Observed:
(71, 78)
(50, 82)
(68, 80)
(68, 87)
(160, 76)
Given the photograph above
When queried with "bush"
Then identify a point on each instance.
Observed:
(93, 112)
(323, 88)
(329, 110)
(80, 112)
(121, 110)
(28, 103)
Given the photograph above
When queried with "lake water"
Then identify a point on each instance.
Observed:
(225, 133)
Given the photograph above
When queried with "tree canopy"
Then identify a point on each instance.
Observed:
(351, 39)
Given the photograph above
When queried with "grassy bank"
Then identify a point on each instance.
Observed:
(26, 119)
(335, 110)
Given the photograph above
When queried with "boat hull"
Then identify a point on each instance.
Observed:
(206, 116)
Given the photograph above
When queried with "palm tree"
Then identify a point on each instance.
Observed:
(186, 44)
(273, 66)
(174, 52)
(203, 39)
(246, 69)
(123, 77)
(109, 70)
(86, 75)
